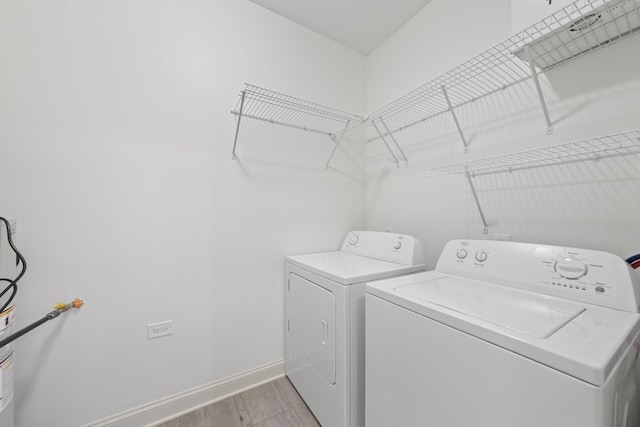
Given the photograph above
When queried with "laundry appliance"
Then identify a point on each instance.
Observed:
(505, 334)
(325, 319)
(8, 270)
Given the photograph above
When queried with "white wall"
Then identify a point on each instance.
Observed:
(115, 139)
(591, 205)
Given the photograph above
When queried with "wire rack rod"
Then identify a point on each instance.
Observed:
(278, 108)
(575, 30)
(620, 144)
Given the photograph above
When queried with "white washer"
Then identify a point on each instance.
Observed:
(505, 334)
(325, 319)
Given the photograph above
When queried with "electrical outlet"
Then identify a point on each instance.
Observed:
(155, 330)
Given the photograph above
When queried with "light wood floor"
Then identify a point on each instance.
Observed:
(274, 404)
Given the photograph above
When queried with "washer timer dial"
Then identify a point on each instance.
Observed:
(461, 254)
(570, 268)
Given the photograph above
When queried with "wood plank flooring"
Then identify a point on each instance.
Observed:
(274, 404)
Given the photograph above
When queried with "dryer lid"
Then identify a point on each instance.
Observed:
(347, 269)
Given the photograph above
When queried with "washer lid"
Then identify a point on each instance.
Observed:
(536, 315)
(347, 269)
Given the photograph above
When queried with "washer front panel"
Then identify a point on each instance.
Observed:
(421, 372)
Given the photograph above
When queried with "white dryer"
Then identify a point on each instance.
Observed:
(325, 319)
(505, 334)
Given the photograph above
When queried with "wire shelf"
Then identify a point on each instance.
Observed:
(620, 144)
(578, 28)
(605, 24)
(572, 31)
(277, 108)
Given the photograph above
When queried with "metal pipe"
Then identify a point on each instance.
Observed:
(59, 309)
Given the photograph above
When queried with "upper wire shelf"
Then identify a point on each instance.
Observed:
(620, 144)
(578, 28)
(277, 108)
(572, 31)
(606, 23)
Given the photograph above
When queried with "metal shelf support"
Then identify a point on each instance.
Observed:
(534, 73)
(475, 197)
(235, 140)
(455, 118)
(385, 142)
(337, 142)
(393, 139)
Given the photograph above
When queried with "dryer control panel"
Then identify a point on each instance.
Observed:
(392, 247)
(585, 275)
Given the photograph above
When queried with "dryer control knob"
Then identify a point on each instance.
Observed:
(397, 246)
(461, 254)
(571, 268)
(353, 239)
(481, 256)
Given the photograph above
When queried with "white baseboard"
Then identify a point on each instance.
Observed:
(155, 413)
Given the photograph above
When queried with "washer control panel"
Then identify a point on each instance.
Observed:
(392, 247)
(579, 274)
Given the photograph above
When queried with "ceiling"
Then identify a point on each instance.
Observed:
(361, 25)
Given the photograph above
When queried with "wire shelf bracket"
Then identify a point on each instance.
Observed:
(235, 139)
(337, 142)
(384, 140)
(536, 80)
(455, 118)
(475, 198)
(406, 160)
(595, 149)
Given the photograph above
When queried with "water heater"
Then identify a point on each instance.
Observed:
(7, 270)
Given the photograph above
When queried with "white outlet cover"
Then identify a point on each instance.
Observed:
(159, 329)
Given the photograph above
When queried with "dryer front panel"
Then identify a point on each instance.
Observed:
(311, 314)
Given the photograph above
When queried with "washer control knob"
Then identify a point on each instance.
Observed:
(397, 246)
(571, 268)
(353, 239)
(461, 254)
(481, 256)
